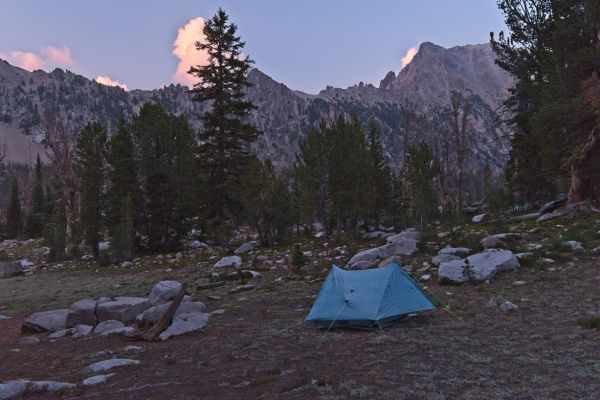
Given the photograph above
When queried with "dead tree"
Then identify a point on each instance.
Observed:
(461, 110)
(163, 323)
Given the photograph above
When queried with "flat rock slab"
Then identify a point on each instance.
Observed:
(97, 379)
(164, 291)
(46, 321)
(412, 234)
(123, 309)
(185, 323)
(102, 366)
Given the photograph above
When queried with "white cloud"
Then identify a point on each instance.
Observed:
(410, 53)
(184, 48)
(49, 57)
(105, 80)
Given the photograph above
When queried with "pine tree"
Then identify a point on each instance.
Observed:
(124, 233)
(122, 175)
(55, 234)
(380, 175)
(226, 137)
(35, 220)
(14, 219)
(90, 167)
(420, 175)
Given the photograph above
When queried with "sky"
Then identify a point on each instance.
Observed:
(307, 45)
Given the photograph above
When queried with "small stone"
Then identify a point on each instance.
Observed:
(96, 379)
(508, 306)
(28, 340)
(3, 317)
(519, 283)
(220, 311)
(231, 261)
(106, 365)
(134, 349)
(493, 302)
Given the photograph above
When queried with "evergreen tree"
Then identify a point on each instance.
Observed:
(380, 176)
(35, 220)
(123, 236)
(227, 136)
(56, 234)
(122, 175)
(420, 175)
(90, 166)
(166, 151)
(14, 219)
(553, 51)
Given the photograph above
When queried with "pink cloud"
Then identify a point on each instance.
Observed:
(50, 57)
(58, 55)
(184, 48)
(105, 80)
(410, 53)
(26, 60)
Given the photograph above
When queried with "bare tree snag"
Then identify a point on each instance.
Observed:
(163, 323)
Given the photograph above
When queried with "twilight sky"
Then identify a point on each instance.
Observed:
(306, 44)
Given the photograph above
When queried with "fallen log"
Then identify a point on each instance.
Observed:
(163, 323)
(241, 288)
(210, 285)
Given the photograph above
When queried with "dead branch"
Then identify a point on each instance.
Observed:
(163, 323)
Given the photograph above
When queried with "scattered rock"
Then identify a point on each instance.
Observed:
(231, 261)
(87, 257)
(595, 251)
(46, 321)
(123, 309)
(164, 291)
(185, 323)
(28, 340)
(220, 311)
(96, 379)
(106, 365)
(3, 317)
(195, 244)
(425, 277)
(546, 260)
(508, 306)
(373, 235)
(493, 302)
(455, 251)
(575, 246)
(437, 260)
(126, 264)
(479, 218)
(108, 325)
(524, 256)
(483, 266)
(103, 246)
(244, 248)
(492, 242)
(519, 283)
(126, 330)
(18, 387)
(8, 269)
(534, 246)
(134, 349)
(82, 312)
(241, 288)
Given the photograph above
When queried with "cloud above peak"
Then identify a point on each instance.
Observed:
(184, 48)
(49, 57)
(410, 53)
(105, 80)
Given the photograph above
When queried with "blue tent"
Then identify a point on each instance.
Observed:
(368, 298)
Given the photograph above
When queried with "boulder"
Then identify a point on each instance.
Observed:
(185, 323)
(46, 321)
(82, 312)
(390, 260)
(508, 306)
(553, 205)
(231, 261)
(370, 255)
(103, 246)
(479, 218)
(153, 314)
(442, 258)
(106, 326)
(403, 247)
(3, 317)
(15, 388)
(483, 266)
(12, 389)
(244, 248)
(492, 242)
(164, 291)
(410, 233)
(106, 365)
(595, 251)
(9, 269)
(455, 251)
(123, 309)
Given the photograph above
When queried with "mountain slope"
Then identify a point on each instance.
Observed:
(283, 115)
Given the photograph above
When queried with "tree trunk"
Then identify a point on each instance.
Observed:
(578, 190)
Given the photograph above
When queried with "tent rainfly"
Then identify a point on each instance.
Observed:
(368, 298)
